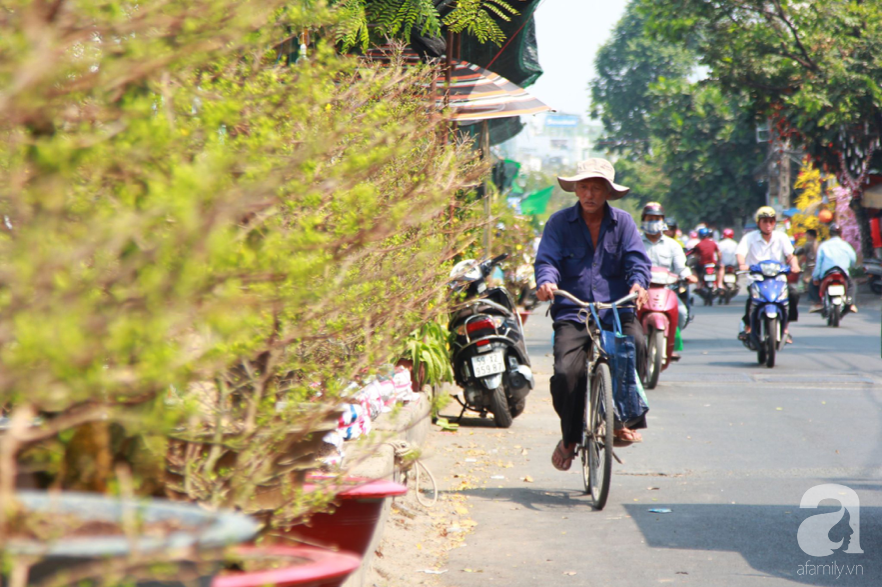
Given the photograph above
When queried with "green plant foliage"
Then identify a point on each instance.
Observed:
(476, 17)
(426, 348)
(398, 19)
(201, 248)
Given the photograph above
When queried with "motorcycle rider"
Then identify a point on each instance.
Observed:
(594, 251)
(835, 252)
(666, 252)
(708, 254)
(767, 244)
(727, 248)
(671, 230)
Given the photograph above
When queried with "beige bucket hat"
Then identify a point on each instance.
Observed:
(594, 168)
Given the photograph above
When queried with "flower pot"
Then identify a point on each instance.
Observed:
(303, 566)
(417, 378)
(174, 527)
(351, 525)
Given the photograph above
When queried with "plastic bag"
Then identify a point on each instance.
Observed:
(628, 395)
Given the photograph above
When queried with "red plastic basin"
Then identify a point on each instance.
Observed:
(352, 523)
(310, 567)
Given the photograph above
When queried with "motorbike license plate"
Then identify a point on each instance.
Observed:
(710, 278)
(490, 364)
(836, 290)
(730, 278)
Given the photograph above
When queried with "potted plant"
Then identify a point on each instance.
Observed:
(72, 538)
(352, 521)
(196, 257)
(427, 355)
(286, 566)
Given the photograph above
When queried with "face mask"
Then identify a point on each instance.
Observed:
(653, 226)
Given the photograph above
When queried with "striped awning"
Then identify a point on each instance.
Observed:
(474, 94)
(479, 94)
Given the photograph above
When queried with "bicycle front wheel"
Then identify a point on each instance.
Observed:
(598, 445)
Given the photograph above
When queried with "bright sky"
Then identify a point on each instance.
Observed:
(569, 33)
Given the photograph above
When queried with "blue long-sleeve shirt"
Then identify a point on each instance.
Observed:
(833, 252)
(567, 257)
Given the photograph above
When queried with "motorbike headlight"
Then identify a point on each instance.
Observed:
(781, 277)
(771, 269)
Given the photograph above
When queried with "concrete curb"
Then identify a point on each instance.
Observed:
(412, 424)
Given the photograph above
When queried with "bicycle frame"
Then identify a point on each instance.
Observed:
(597, 353)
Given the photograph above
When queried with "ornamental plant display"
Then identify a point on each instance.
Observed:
(200, 246)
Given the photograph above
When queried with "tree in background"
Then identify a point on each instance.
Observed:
(680, 142)
(813, 68)
(708, 152)
(627, 66)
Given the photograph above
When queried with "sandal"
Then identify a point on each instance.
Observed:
(561, 459)
(626, 436)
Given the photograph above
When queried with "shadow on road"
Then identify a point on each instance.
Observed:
(766, 536)
(534, 499)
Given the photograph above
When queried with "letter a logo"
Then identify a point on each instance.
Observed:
(813, 535)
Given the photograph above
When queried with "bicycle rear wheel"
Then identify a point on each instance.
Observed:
(597, 445)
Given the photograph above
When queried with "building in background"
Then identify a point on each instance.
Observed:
(552, 142)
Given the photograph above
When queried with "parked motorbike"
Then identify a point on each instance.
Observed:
(834, 286)
(659, 319)
(769, 300)
(730, 285)
(873, 269)
(489, 355)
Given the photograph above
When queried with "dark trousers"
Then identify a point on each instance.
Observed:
(792, 308)
(570, 380)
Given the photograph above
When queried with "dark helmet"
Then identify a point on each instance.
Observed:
(835, 229)
(703, 232)
(672, 223)
(653, 208)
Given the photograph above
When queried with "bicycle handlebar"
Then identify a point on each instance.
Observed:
(597, 305)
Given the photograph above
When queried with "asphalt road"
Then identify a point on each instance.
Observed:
(731, 449)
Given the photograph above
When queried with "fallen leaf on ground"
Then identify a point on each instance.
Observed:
(570, 573)
(528, 479)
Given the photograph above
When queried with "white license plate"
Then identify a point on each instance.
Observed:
(710, 278)
(836, 290)
(730, 278)
(491, 364)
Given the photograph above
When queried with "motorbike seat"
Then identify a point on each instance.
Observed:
(499, 296)
(833, 270)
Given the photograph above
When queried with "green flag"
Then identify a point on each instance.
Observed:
(536, 202)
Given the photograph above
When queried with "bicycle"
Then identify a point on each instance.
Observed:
(598, 424)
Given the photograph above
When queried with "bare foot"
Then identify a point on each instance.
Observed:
(626, 436)
(562, 457)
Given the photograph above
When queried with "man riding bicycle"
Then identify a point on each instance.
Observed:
(595, 252)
